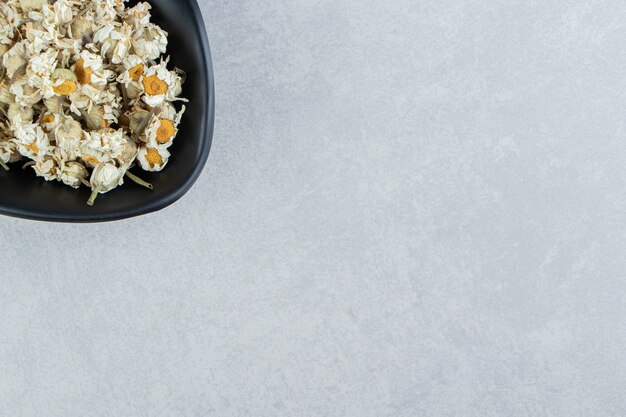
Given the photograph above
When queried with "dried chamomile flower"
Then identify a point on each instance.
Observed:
(129, 79)
(49, 123)
(82, 97)
(100, 116)
(102, 146)
(161, 85)
(38, 76)
(115, 42)
(47, 168)
(25, 94)
(15, 59)
(84, 71)
(68, 135)
(132, 71)
(153, 158)
(164, 126)
(138, 16)
(32, 141)
(89, 69)
(105, 177)
(82, 29)
(9, 153)
(42, 65)
(129, 152)
(73, 173)
(149, 42)
(64, 82)
(94, 117)
(88, 96)
(107, 10)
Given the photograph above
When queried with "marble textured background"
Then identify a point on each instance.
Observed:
(412, 208)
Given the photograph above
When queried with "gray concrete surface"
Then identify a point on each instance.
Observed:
(412, 208)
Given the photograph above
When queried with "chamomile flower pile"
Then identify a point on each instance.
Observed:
(85, 93)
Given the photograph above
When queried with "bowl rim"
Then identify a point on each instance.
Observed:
(179, 192)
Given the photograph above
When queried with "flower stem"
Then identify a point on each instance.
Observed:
(139, 181)
(3, 165)
(92, 199)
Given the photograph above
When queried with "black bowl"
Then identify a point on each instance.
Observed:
(22, 194)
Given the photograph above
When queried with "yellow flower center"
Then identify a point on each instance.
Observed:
(154, 86)
(33, 148)
(165, 131)
(65, 88)
(83, 73)
(48, 118)
(153, 157)
(90, 159)
(136, 72)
